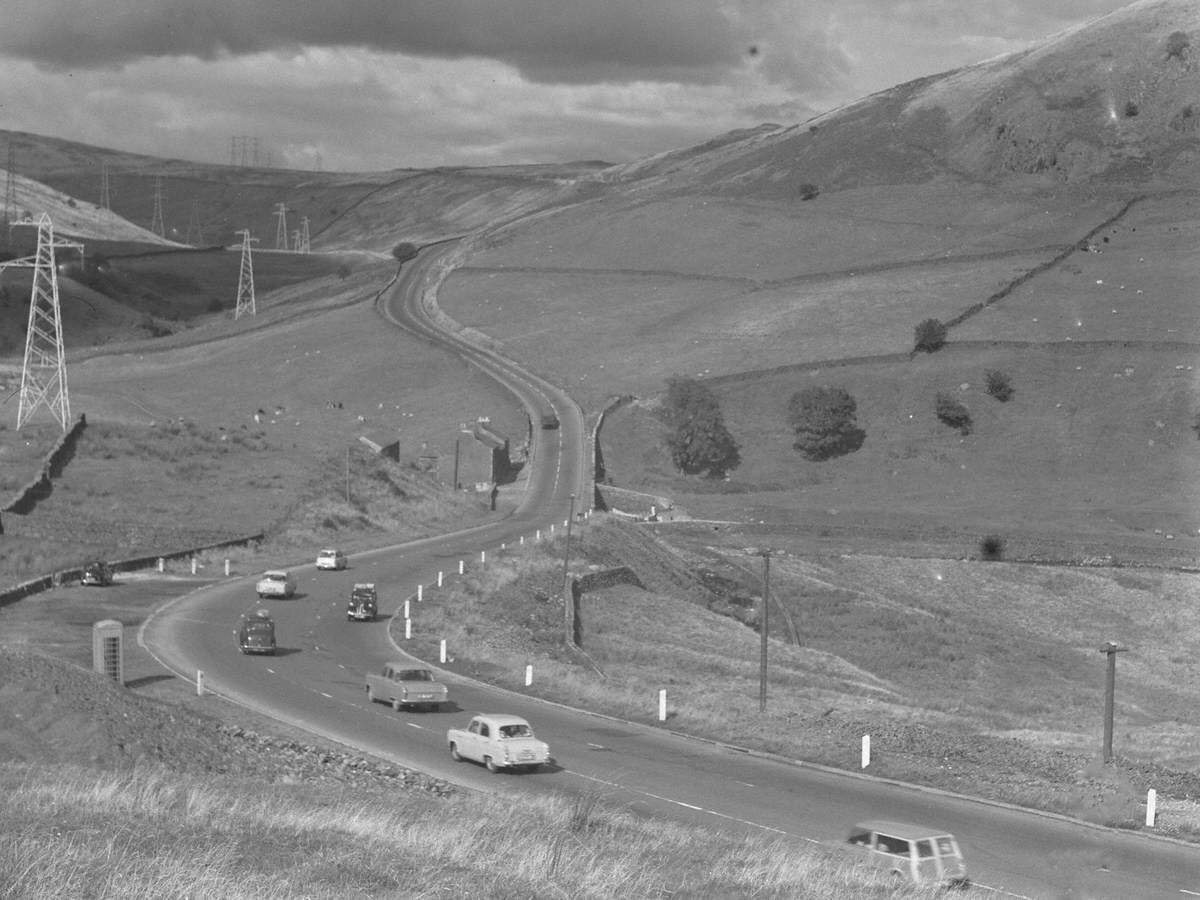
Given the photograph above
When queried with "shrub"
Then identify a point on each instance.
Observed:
(809, 191)
(1177, 45)
(999, 385)
(823, 419)
(991, 546)
(699, 442)
(1131, 109)
(343, 271)
(930, 336)
(953, 413)
(404, 251)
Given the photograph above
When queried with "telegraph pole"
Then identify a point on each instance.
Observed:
(1110, 649)
(762, 632)
(568, 600)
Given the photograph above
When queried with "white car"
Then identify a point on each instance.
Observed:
(331, 559)
(276, 583)
(499, 742)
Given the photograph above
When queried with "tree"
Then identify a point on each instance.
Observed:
(699, 442)
(953, 413)
(999, 385)
(930, 336)
(823, 419)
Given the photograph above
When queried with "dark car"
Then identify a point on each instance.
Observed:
(364, 603)
(97, 573)
(257, 633)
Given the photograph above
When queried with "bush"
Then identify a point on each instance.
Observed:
(999, 385)
(823, 419)
(930, 336)
(343, 271)
(991, 547)
(809, 191)
(1177, 45)
(699, 441)
(404, 251)
(1131, 109)
(953, 413)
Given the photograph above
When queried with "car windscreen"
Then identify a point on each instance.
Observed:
(415, 675)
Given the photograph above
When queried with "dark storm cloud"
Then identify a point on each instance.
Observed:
(547, 40)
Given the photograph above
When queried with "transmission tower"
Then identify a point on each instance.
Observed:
(105, 193)
(44, 374)
(296, 241)
(195, 236)
(10, 185)
(245, 294)
(281, 235)
(158, 226)
(305, 242)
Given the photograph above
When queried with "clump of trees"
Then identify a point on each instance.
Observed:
(991, 547)
(824, 420)
(930, 336)
(404, 251)
(699, 442)
(952, 412)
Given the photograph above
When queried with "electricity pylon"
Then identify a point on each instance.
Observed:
(194, 226)
(305, 242)
(105, 194)
(245, 295)
(281, 235)
(158, 226)
(296, 241)
(44, 373)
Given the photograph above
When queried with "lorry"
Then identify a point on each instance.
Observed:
(499, 742)
(364, 603)
(404, 685)
(256, 633)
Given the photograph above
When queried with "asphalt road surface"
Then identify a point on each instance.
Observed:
(317, 682)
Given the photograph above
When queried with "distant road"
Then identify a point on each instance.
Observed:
(317, 683)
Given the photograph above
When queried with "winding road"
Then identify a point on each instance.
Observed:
(316, 682)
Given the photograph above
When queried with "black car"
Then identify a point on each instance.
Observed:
(97, 573)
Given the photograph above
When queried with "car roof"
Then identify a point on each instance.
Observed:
(406, 665)
(501, 719)
(275, 572)
(906, 830)
(328, 551)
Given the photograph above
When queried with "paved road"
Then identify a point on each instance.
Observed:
(317, 682)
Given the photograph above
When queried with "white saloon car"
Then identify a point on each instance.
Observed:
(276, 583)
(331, 559)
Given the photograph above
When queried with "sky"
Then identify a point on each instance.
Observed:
(372, 85)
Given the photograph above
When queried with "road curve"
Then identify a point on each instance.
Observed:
(317, 682)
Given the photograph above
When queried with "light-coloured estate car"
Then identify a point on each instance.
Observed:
(913, 852)
(331, 559)
(405, 685)
(275, 583)
(499, 742)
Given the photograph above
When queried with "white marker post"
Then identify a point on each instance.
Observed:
(866, 750)
(662, 705)
(483, 557)
(439, 579)
(227, 567)
(442, 657)
(461, 567)
(199, 682)
(521, 542)
(528, 674)
(538, 536)
(406, 609)
(1151, 806)
(420, 590)
(408, 629)
(162, 564)
(193, 565)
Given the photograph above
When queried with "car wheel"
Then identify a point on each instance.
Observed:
(454, 754)
(370, 694)
(491, 764)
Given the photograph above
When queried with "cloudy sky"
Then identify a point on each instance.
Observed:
(358, 85)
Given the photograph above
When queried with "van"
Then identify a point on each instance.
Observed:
(913, 852)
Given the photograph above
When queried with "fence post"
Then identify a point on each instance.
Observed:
(199, 682)
(193, 565)
(662, 705)
(866, 750)
(227, 567)
(528, 674)
(461, 567)
(1151, 806)
(442, 655)
(406, 609)
(408, 629)
(439, 578)
(419, 591)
